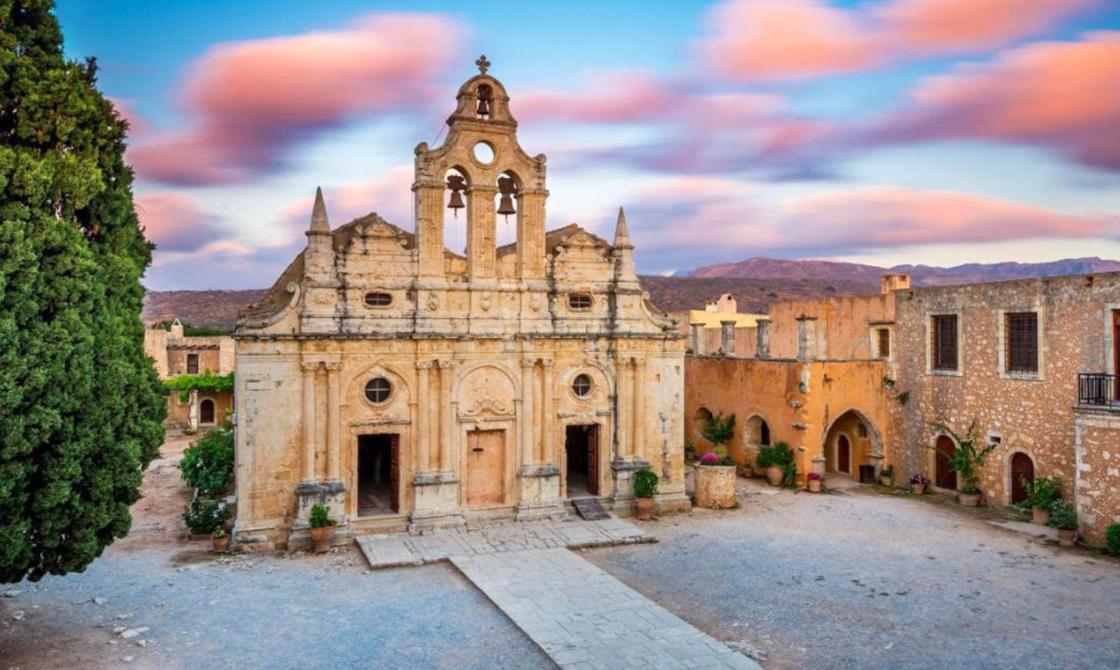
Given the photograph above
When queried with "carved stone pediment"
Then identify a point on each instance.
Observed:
(485, 404)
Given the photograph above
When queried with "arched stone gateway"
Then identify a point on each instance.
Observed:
(852, 441)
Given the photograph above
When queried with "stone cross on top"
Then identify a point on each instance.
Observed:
(482, 63)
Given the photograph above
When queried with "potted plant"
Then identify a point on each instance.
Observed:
(886, 476)
(322, 529)
(965, 460)
(1041, 493)
(645, 488)
(918, 485)
(219, 540)
(815, 482)
(1064, 517)
(774, 459)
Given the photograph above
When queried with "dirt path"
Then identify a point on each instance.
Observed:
(157, 520)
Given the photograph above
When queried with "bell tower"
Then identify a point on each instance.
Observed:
(480, 168)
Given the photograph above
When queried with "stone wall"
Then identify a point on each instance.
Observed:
(1097, 442)
(802, 402)
(843, 325)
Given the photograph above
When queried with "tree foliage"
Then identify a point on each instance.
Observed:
(968, 456)
(80, 403)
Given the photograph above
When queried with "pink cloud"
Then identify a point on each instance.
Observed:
(248, 101)
(174, 222)
(389, 195)
(1057, 94)
(893, 216)
(781, 39)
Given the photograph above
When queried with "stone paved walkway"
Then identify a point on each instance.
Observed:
(396, 549)
(585, 619)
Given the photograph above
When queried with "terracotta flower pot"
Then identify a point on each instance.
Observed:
(969, 499)
(774, 475)
(885, 481)
(321, 537)
(1040, 515)
(643, 508)
(1066, 537)
(814, 486)
(220, 545)
(918, 489)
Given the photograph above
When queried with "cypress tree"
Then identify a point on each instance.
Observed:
(81, 406)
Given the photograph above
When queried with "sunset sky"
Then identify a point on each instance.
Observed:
(889, 131)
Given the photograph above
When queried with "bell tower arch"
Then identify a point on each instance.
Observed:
(482, 146)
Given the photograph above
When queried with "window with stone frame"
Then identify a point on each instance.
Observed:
(1020, 337)
(192, 364)
(579, 301)
(943, 342)
(884, 336)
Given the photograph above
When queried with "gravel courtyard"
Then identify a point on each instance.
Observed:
(871, 580)
(858, 579)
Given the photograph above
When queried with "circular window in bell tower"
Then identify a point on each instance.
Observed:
(483, 153)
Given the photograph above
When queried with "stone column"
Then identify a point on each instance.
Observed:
(806, 337)
(697, 341)
(530, 234)
(762, 350)
(429, 226)
(622, 402)
(423, 413)
(192, 410)
(727, 337)
(481, 222)
(334, 423)
(446, 428)
(638, 422)
(309, 371)
(548, 415)
(527, 450)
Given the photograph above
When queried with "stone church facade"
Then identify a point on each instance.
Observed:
(407, 386)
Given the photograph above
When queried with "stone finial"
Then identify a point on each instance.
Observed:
(319, 222)
(483, 64)
(621, 232)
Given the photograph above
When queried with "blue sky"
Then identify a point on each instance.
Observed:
(890, 131)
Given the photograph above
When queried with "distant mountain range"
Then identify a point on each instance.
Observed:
(755, 283)
(920, 275)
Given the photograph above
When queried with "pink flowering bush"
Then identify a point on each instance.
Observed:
(710, 458)
(814, 476)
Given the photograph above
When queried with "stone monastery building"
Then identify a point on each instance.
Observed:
(404, 385)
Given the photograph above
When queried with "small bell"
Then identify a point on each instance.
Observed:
(483, 107)
(485, 95)
(456, 184)
(508, 188)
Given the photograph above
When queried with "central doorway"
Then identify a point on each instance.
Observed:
(378, 489)
(581, 447)
(485, 471)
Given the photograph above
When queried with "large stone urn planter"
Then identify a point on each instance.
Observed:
(715, 486)
(1040, 515)
(969, 499)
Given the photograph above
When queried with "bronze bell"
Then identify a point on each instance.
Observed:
(456, 184)
(483, 107)
(507, 187)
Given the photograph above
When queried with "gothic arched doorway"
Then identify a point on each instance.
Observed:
(1022, 473)
(944, 476)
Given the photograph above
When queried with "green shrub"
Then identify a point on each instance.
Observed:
(208, 463)
(203, 515)
(1112, 540)
(1063, 516)
(719, 429)
(320, 517)
(789, 472)
(645, 483)
(778, 454)
(1042, 492)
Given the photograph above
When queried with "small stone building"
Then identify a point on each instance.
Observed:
(177, 354)
(405, 385)
(867, 381)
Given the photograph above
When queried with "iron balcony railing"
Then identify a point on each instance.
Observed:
(1096, 389)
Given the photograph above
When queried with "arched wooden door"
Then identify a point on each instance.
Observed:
(945, 478)
(843, 454)
(1022, 470)
(206, 411)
